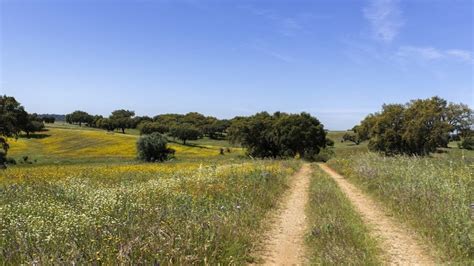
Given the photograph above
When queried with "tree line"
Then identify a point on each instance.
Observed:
(418, 127)
(190, 126)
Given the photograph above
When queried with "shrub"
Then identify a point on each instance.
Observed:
(467, 143)
(323, 156)
(329, 142)
(11, 161)
(153, 148)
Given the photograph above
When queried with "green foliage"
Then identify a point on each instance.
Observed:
(337, 235)
(151, 127)
(48, 119)
(416, 128)
(351, 137)
(33, 124)
(79, 117)
(185, 132)
(137, 120)
(3, 152)
(216, 129)
(13, 118)
(279, 135)
(432, 194)
(329, 142)
(153, 148)
(122, 119)
(323, 156)
(467, 143)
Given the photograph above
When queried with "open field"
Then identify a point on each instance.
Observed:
(347, 148)
(72, 144)
(84, 197)
(140, 213)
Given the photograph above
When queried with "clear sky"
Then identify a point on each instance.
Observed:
(338, 60)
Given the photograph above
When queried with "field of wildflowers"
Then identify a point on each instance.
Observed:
(433, 194)
(60, 145)
(171, 213)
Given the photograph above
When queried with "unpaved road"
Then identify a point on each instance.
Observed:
(400, 247)
(284, 243)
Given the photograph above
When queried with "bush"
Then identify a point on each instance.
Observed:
(10, 161)
(323, 156)
(153, 148)
(467, 143)
(329, 142)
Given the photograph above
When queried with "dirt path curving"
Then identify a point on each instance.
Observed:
(284, 243)
(399, 246)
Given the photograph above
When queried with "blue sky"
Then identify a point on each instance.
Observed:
(338, 60)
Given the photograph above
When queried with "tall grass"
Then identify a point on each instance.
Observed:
(337, 233)
(181, 213)
(432, 194)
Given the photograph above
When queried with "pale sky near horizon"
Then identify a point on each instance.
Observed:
(338, 60)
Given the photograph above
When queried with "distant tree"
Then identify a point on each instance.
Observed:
(32, 125)
(153, 148)
(351, 137)
(12, 117)
(137, 120)
(299, 134)
(416, 128)
(460, 117)
(196, 119)
(185, 132)
(216, 129)
(467, 143)
(424, 126)
(151, 127)
(106, 123)
(79, 117)
(169, 120)
(256, 134)
(48, 119)
(95, 121)
(122, 119)
(279, 135)
(364, 130)
(329, 142)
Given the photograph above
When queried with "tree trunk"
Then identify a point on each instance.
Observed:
(123, 130)
(184, 142)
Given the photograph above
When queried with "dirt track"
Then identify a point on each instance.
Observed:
(285, 242)
(400, 247)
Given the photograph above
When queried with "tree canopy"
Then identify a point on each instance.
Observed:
(416, 128)
(185, 132)
(279, 135)
(122, 119)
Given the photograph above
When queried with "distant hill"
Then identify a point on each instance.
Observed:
(56, 116)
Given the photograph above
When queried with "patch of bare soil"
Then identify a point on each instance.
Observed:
(284, 243)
